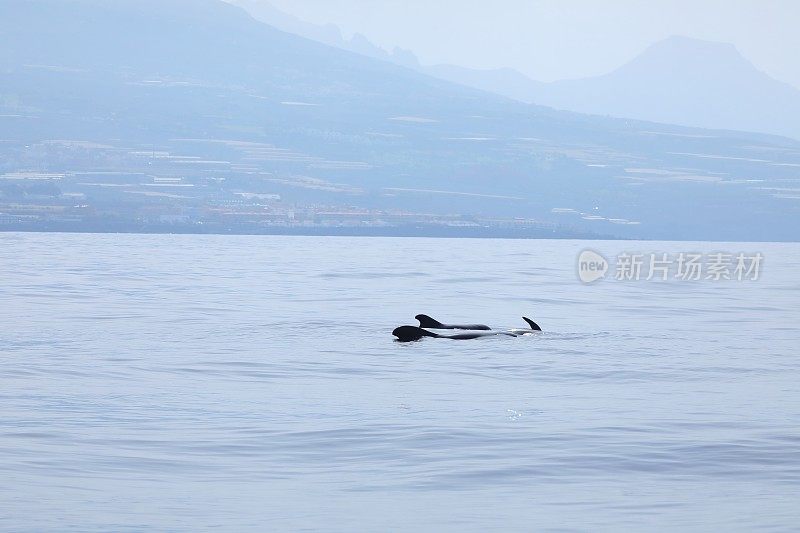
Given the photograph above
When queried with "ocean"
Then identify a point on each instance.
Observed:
(196, 382)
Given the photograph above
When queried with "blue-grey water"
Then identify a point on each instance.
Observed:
(237, 383)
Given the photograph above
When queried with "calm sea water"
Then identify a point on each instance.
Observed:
(251, 383)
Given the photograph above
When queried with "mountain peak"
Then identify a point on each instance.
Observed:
(682, 80)
(686, 53)
(684, 43)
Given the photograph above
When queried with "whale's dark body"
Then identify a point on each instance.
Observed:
(414, 333)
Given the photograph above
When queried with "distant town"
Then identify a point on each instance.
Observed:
(109, 189)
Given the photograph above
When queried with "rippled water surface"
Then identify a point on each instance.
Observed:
(252, 383)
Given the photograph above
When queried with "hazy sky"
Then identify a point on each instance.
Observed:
(552, 39)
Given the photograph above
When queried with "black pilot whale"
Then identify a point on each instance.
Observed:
(414, 333)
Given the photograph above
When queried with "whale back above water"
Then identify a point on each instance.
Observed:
(413, 333)
(427, 322)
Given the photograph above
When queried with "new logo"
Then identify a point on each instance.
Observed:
(591, 266)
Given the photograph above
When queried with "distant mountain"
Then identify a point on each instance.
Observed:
(170, 104)
(678, 80)
(684, 81)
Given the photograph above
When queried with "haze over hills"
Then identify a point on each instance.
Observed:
(679, 80)
(190, 112)
(329, 34)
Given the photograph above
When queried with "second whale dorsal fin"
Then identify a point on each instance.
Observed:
(427, 322)
(534, 326)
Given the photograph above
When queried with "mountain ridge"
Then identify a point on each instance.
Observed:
(763, 104)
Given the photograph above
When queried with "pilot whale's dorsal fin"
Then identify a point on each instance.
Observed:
(427, 322)
(534, 326)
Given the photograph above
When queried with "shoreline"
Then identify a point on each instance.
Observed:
(385, 234)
